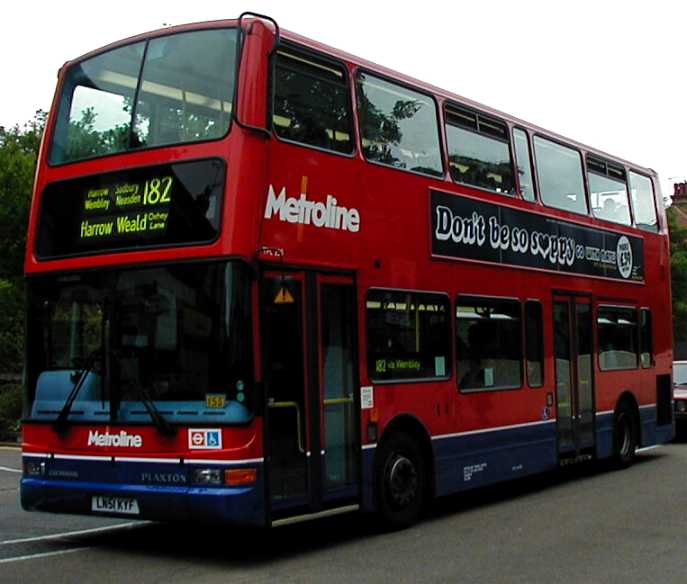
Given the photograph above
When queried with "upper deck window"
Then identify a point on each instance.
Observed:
(176, 89)
(399, 126)
(643, 204)
(561, 182)
(478, 150)
(311, 103)
(608, 191)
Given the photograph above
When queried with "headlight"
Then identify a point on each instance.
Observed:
(208, 476)
(34, 468)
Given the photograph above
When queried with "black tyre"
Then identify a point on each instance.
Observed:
(625, 437)
(401, 481)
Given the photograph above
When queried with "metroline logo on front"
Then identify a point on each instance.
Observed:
(121, 440)
(328, 215)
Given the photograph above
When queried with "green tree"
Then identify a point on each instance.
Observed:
(18, 154)
(678, 273)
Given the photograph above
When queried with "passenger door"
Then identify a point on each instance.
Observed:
(309, 362)
(572, 323)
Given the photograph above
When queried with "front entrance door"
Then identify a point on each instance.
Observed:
(308, 354)
(572, 323)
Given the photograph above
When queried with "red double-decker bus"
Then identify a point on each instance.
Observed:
(270, 281)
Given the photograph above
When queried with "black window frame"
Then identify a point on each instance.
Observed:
(457, 110)
(520, 337)
(312, 58)
(437, 110)
(449, 339)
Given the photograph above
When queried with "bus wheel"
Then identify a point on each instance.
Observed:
(401, 481)
(624, 436)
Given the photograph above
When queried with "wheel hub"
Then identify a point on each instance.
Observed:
(402, 480)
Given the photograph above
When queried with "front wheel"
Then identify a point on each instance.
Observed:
(624, 437)
(401, 481)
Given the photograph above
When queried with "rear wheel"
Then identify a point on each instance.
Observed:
(625, 437)
(401, 481)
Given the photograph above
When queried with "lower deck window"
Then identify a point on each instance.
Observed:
(407, 335)
(489, 341)
(618, 342)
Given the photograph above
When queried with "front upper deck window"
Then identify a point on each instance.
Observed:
(176, 89)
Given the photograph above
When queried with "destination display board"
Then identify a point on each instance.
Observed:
(161, 205)
(465, 228)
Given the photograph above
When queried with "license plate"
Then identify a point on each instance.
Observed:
(121, 505)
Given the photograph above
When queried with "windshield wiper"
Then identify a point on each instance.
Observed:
(163, 426)
(60, 424)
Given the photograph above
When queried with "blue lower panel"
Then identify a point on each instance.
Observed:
(467, 460)
(237, 505)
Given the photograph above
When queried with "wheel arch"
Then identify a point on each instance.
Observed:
(412, 426)
(628, 399)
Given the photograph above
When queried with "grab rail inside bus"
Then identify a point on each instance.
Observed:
(234, 112)
(291, 404)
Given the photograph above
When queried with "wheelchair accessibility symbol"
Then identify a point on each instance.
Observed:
(204, 438)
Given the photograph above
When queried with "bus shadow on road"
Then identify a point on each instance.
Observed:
(235, 546)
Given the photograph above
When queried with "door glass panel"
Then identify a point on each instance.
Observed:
(561, 324)
(283, 358)
(337, 376)
(585, 393)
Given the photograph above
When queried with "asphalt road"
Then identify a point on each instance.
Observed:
(585, 524)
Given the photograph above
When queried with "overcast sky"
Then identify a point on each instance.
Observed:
(610, 74)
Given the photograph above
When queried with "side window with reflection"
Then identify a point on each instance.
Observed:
(608, 191)
(559, 168)
(524, 164)
(646, 338)
(398, 125)
(478, 150)
(311, 102)
(618, 342)
(489, 343)
(643, 202)
(408, 335)
(534, 343)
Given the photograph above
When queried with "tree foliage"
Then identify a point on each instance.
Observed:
(678, 273)
(18, 154)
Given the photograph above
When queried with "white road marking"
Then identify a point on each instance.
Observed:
(43, 555)
(71, 533)
(8, 469)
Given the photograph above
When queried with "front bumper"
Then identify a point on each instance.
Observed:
(239, 505)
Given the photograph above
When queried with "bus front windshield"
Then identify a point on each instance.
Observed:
(177, 335)
(166, 90)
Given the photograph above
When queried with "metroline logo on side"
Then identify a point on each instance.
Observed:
(328, 215)
(121, 440)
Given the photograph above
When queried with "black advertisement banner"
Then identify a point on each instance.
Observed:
(465, 228)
